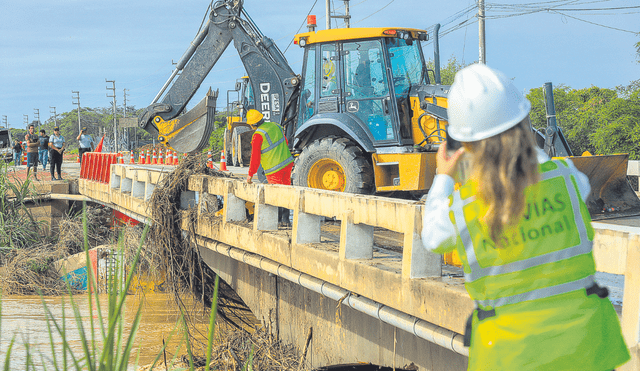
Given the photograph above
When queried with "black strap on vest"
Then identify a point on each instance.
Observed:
(602, 292)
(482, 315)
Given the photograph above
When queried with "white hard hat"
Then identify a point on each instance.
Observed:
(482, 103)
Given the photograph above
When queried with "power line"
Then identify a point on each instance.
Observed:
(374, 12)
(302, 25)
(597, 24)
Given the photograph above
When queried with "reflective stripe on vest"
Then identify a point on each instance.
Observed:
(477, 272)
(274, 150)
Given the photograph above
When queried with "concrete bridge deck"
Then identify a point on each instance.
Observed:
(351, 267)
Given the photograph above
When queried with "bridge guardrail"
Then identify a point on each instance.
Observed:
(359, 216)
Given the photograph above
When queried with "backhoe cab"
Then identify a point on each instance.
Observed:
(369, 117)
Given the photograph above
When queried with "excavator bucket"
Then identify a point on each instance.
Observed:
(611, 194)
(190, 132)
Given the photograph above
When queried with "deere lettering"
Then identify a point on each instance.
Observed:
(265, 104)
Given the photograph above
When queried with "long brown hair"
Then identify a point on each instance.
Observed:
(503, 166)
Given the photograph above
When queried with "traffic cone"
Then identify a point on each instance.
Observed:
(209, 160)
(223, 162)
(168, 160)
(175, 158)
(132, 158)
(148, 157)
(142, 158)
(160, 157)
(154, 159)
(120, 159)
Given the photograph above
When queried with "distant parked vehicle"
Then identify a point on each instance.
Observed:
(6, 145)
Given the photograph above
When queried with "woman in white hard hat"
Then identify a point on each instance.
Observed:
(524, 235)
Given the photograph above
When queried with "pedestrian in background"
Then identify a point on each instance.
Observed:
(43, 149)
(85, 143)
(33, 142)
(521, 227)
(17, 153)
(56, 145)
(269, 149)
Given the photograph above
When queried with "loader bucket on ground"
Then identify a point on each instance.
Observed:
(611, 194)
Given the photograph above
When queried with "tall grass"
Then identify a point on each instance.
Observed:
(19, 228)
(109, 348)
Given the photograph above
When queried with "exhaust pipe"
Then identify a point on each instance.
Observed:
(436, 52)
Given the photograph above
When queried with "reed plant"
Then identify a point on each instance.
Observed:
(19, 228)
(106, 345)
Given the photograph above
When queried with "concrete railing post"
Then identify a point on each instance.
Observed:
(631, 304)
(234, 209)
(265, 217)
(356, 240)
(306, 227)
(417, 262)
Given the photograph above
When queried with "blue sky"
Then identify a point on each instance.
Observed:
(50, 48)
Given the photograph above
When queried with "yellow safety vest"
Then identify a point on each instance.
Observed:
(275, 154)
(529, 286)
(552, 240)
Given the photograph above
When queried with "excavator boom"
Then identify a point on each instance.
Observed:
(271, 76)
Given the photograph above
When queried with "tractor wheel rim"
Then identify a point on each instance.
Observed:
(327, 174)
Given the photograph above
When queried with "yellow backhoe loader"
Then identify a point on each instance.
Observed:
(365, 116)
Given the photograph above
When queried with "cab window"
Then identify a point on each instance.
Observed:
(406, 64)
(329, 68)
(364, 70)
(307, 97)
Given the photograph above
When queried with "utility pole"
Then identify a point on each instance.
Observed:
(346, 17)
(127, 130)
(4, 121)
(55, 116)
(26, 121)
(328, 10)
(483, 48)
(115, 127)
(36, 114)
(77, 98)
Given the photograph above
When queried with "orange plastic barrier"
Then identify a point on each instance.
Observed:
(96, 166)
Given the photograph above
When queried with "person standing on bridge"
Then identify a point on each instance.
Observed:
(56, 143)
(17, 153)
(86, 143)
(269, 149)
(33, 142)
(43, 149)
(524, 235)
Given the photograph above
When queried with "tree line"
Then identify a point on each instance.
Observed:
(599, 120)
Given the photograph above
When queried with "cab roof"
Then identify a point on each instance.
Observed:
(341, 34)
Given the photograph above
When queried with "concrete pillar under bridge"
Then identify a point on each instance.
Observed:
(340, 334)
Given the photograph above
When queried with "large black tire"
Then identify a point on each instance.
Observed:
(335, 164)
(237, 149)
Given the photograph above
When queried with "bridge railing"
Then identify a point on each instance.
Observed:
(359, 216)
(615, 251)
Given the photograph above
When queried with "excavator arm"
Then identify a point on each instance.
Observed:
(273, 81)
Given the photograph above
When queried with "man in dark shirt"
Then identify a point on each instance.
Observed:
(33, 141)
(43, 149)
(17, 153)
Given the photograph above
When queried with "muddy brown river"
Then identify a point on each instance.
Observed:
(24, 319)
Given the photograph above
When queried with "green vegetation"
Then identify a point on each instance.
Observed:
(19, 228)
(601, 121)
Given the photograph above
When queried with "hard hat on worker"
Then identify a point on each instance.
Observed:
(254, 117)
(483, 102)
